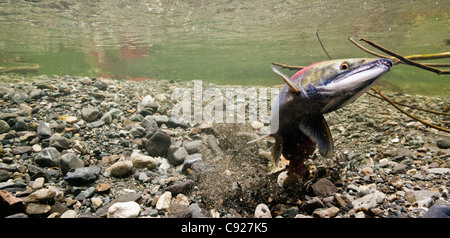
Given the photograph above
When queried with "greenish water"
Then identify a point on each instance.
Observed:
(224, 42)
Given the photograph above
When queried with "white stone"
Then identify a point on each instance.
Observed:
(256, 125)
(164, 201)
(69, 214)
(262, 211)
(38, 183)
(123, 210)
(369, 201)
(96, 201)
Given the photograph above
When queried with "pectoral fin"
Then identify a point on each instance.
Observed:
(316, 128)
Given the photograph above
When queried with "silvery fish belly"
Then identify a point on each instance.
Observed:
(297, 121)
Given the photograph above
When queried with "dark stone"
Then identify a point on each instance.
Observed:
(176, 155)
(48, 157)
(70, 161)
(443, 143)
(438, 211)
(43, 130)
(180, 187)
(158, 144)
(59, 142)
(81, 176)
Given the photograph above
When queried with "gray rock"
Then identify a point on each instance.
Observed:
(100, 84)
(190, 160)
(196, 211)
(4, 127)
(22, 150)
(48, 157)
(158, 144)
(89, 114)
(195, 146)
(443, 143)
(36, 94)
(43, 130)
(59, 142)
(70, 161)
(4, 175)
(400, 169)
(82, 176)
(212, 142)
(176, 155)
(438, 211)
(440, 171)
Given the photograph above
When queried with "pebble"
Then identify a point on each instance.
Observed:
(124, 210)
(158, 144)
(4, 127)
(40, 196)
(369, 201)
(176, 155)
(324, 187)
(48, 157)
(164, 201)
(262, 211)
(70, 161)
(326, 213)
(82, 176)
(43, 130)
(69, 214)
(120, 168)
(142, 161)
(38, 183)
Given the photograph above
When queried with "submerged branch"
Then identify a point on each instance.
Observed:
(291, 67)
(405, 59)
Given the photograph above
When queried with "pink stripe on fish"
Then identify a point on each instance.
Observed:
(302, 71)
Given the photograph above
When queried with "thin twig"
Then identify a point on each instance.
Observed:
(413, 117)
(291, 67)
(395, 60)
(323, 47)
(408, 61)
(429, 56)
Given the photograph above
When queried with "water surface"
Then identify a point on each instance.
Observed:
(220, 41)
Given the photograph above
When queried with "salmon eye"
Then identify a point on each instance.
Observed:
(344, 66)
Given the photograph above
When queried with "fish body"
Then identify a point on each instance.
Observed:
(297, 121)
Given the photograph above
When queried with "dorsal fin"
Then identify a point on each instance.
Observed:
(316, 128)
(292, 88)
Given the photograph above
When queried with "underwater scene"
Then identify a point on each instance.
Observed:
(224, 109)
